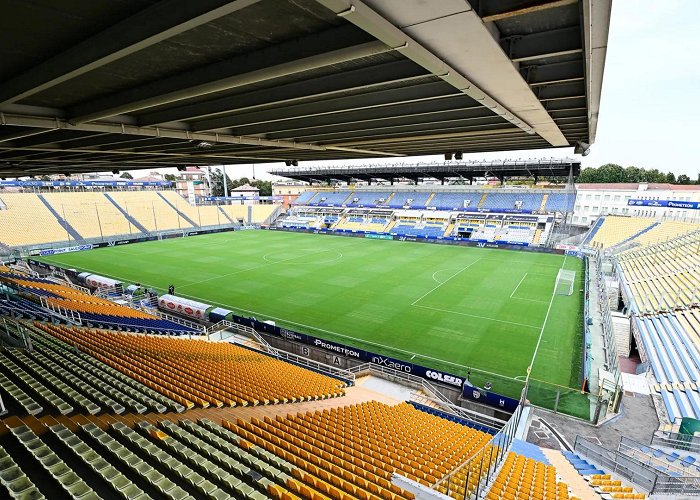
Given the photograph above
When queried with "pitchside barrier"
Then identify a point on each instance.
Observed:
(60, 247)
(444, 240)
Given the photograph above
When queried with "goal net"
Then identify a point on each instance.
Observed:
(565, 282)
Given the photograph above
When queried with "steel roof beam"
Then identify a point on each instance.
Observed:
(407, 130)
(524, 9)
(552, 73)
(361, 79)
(596, 25)
(356, 104)
(333, 46)
(152, 25)
(373, 23)
(415, 117)
(21, 134)
(542, 45)
(213, 138)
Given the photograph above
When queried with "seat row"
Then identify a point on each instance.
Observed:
(376, 441)
(202, 372)
(57, 378)
(523, 478)
(13, 478)
(93, 310)
(176, 461)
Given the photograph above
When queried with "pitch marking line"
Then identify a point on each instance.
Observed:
(476, 316)
(518, 285)
(439, 271)
(440, 284)
(539, 339)
(524, 298)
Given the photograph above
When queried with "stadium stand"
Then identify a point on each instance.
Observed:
(602, 483)
(663, 276)
(524, 478)
(379, 439)
(455, 201)
(674, 358)
(615, 230)
(660, 284)
(516, 201)
(81, 211)
(486, 199)
(202, 372)
(620, 233)
(92, 310)
(434, 214)
(24, 211)
(78, 216)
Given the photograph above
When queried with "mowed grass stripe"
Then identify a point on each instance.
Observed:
(360, 291)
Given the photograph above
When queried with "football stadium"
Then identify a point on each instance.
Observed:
(388, 317)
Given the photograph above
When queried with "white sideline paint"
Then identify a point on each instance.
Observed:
(440, 284)
(539, 340)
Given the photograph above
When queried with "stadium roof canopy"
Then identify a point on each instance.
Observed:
(448, 170)
(89, 86)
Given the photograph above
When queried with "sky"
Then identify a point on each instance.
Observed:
(650, 104)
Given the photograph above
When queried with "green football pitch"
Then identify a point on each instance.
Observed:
(487, 311)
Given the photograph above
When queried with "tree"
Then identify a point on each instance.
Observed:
(217, 183)
(170, 177)
(126, 175)
(613, 173)
(265, 187)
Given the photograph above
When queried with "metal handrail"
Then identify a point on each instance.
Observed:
(265, 347)
(180, 321)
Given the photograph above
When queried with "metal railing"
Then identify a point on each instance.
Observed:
(62, 279)
(618, 463)
(677, 441)
(477, 473)
(262, 345)
(431, 395)
(636, 450)
(67, 315)
(648, 478)
(200, 329)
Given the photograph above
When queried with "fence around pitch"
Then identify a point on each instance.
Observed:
(483, 466)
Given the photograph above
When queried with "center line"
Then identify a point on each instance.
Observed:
(440, 284)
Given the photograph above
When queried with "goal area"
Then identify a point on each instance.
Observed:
(565, 282)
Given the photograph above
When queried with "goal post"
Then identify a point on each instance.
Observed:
(565, 282)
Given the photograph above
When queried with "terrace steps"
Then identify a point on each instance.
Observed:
(570, 476)
(427, 202)
(353, 395)
(482, 200)
(544, 202)
(349, 197)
